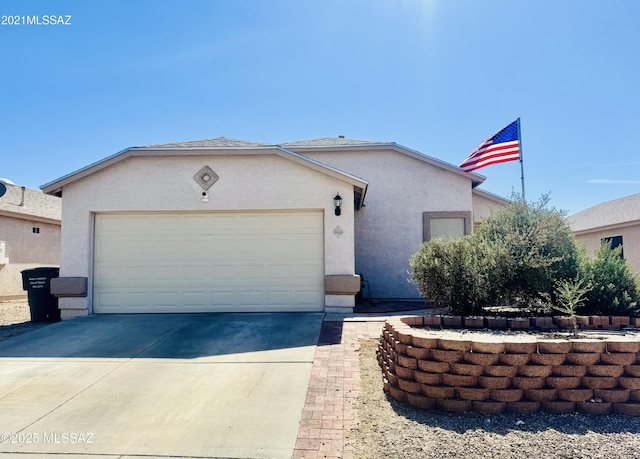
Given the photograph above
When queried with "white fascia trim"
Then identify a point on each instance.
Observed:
(613, 226)
(476, 179)
(321, 167)
(493, 197)
(56, 185)
(30, 218)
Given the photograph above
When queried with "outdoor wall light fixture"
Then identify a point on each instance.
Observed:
(337, 201)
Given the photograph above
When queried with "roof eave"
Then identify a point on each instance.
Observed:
(30, 217)
(360, 184)
(56, 186)
(612, 226)
(491, 196)
(317, 165)
(476, 179)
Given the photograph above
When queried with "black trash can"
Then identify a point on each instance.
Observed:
(42, 304)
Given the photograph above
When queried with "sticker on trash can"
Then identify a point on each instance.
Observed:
(38, 282)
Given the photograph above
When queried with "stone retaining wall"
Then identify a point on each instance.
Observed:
(444, 370)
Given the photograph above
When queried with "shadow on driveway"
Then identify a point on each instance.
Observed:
(192, 385)
(181, 336)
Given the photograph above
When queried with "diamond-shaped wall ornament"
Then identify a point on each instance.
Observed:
(206, 177)
(338, 231)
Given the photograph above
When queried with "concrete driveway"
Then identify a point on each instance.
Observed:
(169, 385)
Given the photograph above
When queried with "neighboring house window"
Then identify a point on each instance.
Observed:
(443, 224)
(36, 230)
(615, 241)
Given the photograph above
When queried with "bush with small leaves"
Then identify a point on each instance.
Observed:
(615, 288)
(534, 248)
(455, 273)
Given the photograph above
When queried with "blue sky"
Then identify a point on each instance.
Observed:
(436, 76)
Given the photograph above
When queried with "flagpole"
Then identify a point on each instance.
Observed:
(521, 159)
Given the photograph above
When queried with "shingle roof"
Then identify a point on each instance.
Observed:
(36, 204)
(224, 142)
(332, 142)
(217, 142)
(615, 212)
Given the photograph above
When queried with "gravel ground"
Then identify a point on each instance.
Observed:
(388, 429)
(15, 319)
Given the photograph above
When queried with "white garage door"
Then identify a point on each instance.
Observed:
(208, 262)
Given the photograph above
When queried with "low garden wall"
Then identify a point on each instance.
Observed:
(458, 371)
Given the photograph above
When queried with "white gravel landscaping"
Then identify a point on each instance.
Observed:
(15, 319)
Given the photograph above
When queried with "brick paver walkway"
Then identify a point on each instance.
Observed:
(330, 407)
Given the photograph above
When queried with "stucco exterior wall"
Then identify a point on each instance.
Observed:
(483, 207)
(26, 249)
(630, 242)
(157, 183)
(388, 230)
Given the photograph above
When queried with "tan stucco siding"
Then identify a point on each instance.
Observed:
(261, 182)
(483, 207)
(26, 249)
(389, 228)
(630, 242)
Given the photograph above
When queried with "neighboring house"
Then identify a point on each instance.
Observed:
(230, 225)
(617, 221)
(29, 234)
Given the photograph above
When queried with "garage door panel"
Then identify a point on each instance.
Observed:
(195, 223)
(309, 273)
(135, 274)
(249, 248)
(191, 273)
(250, 299)
(164, 273)
(108, 300)
(132, 297)
(307, 252)
(308, 297)
(279, 273)
(113, 225)
(194, 248)
(278, 246)
(209, 262)
(224, 224)
(278, 297)
(196, 298)
(250, 274)
(221, 274)
(219, 247)
(107, 274)
(220, 299)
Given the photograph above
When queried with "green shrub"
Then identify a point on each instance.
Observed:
(615, 288)
(455, 273)
(534, 248)
(525, 255)
(571, 295)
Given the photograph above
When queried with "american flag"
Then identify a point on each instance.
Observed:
(500, 148)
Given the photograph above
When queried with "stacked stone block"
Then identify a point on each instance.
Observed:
(512, 374)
